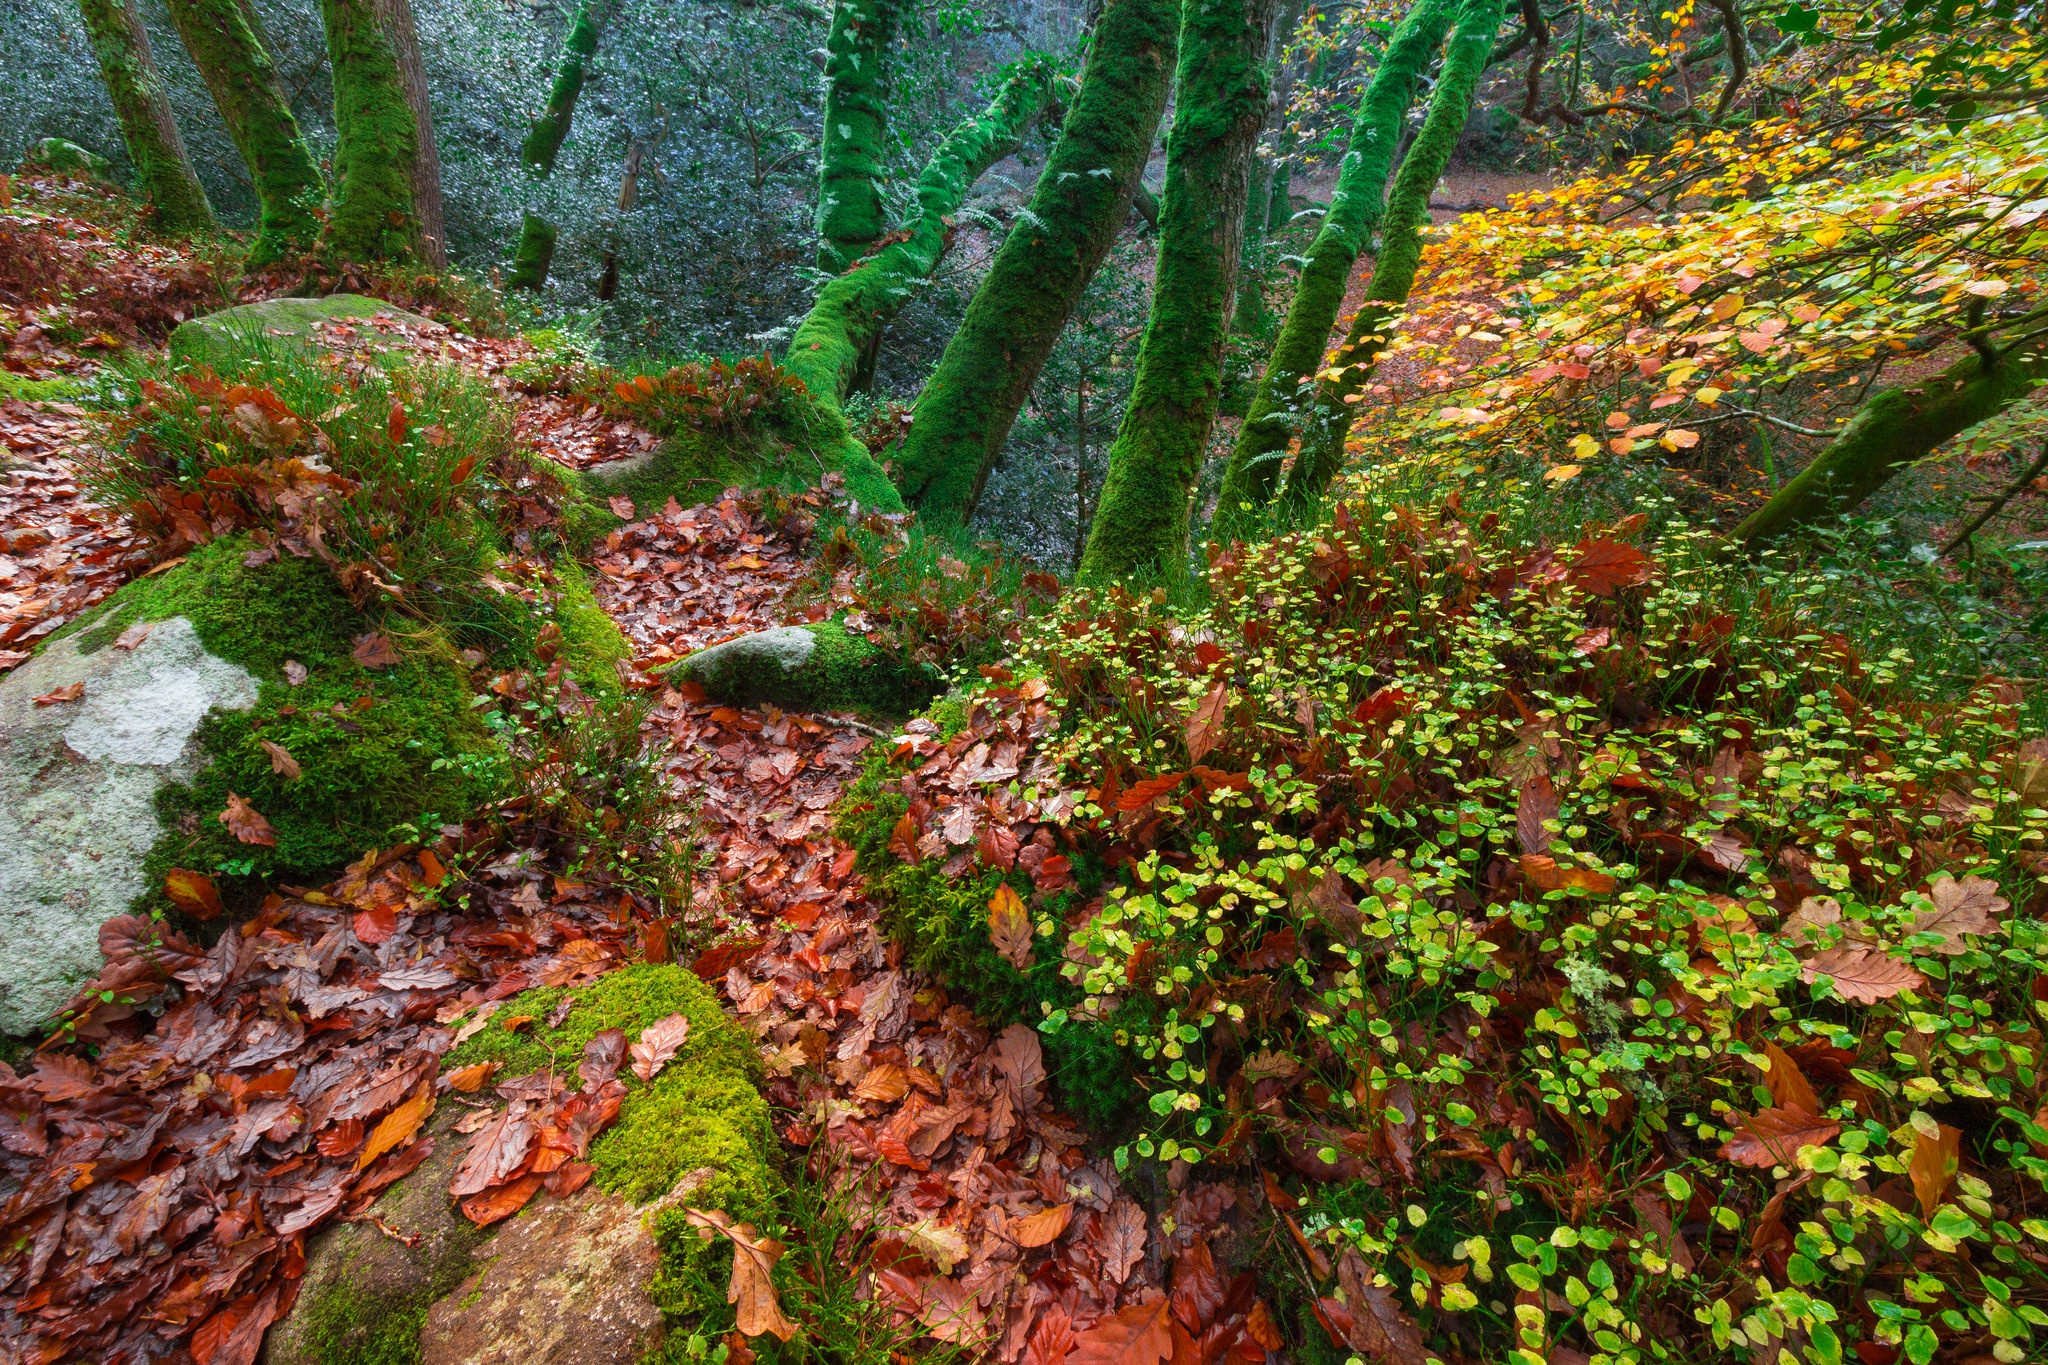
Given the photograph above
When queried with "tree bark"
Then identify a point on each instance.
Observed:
(964, 413)
(1356, 208)
(536, 249)
(825, 353)
(1393, 273)
(850, 154)
(375, 216)
(397, 19)
(245, 87)
(163, 171)
(1894, 430)
(1141, 519)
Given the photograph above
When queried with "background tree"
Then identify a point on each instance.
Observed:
(850, 146)
(163, 171)
(536, 248)
(382, 157)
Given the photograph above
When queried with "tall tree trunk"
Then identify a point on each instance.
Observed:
(1393, 272)
(1356, 207)
(536, 250)
(1141, 520)
(850, 152)
(964, 414)
(825, 353)
(404, 35)
(629, 194)
(375, 216)
(245, 86)
(163, 172)
(1894, 430)
(1250, 315)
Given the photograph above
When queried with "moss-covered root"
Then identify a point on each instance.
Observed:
(850, 157)
(813, 668)
(536, 250)
(1893, 430)
(258, 115)
(963, 416)
(1141, 523)
(374, 216)
(1355, 211)
(163, 172)
(852, 310)
(1393, 272)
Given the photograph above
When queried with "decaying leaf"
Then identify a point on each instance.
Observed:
(658, 1044)
(1775, 1136)
(192, 892)
(1204, 725)
(246, 823)
(1137, 1334)
(375, 650)
(1009, 927)
(1969, 906)
(1932, 1167)
(281, 761)
(1037, 1229)
(398, 1126)
(57, 696)
(1863, 973)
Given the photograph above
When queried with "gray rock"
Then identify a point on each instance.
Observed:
(58, 155)
(289, 319)
(78, 785)
(814, 667)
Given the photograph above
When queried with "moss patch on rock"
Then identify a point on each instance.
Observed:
(230, 331)
(811, 667)
(691, 467)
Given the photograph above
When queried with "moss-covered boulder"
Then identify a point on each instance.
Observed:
(55, 154)
(230, 330)
(815, 667)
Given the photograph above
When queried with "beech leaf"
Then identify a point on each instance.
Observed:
(1038, 1229)
(1774, 1137)
(1009, 927)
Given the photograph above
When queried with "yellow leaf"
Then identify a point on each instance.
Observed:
(1709, 395)
(1584, 447)
(1560, 473)
(1827, 237)
(1986, 289)
(399, 1125)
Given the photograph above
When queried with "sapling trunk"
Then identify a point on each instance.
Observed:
(1356, 208)
(1393, 273)
(243, 80)
(536, 249)
(850, 153)
(964, 413)
(375, 216)
(163, 171)
(851, 310)
(1141, 519)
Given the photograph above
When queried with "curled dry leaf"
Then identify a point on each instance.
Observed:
(58, 696)
(603, 1055)
(246, 823)
(281, 761)
(294, 672)
(192, 892)
(1038, 1229)
(1009, 927)
(658, 1044)
(469, 1079)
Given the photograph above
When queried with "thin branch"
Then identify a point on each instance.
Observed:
(1738, 55)
(2025, 481)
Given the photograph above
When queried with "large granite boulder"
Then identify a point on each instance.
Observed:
(282, 319)
(79, 776)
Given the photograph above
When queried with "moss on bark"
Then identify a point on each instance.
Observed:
(1141, 522)
(536, 250)
(163, 171)
(1892, 431)
(1393, 272)
(850, 213)
(964, 413)
(374, 217)
(851, 311)
(258, 115)
(1356, 208)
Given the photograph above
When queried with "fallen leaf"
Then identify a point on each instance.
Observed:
(622, 507)
(1045, 1226)
(1142, 794)
(398, 1126)
(498, 1151)
(375, 650)
(1207, 719)
(58, 696)
(134, 635)
(1863, 973)
(192, 892)
(1136, 1335)
(1536, 804)
(502, 1201)
(281, 761)
(294, 672)
(1787, 1083)
(394, 422)
(603, 1055)
(1602, 567)
(469, 1079)
(752, 1289)
(1933, 1165)
(1009, 927)
(1774, 1137)
(1969, 906)
(1545, 874)
(658, 1043)
(1197, 1291)
(1123, 1242)
(246, 823)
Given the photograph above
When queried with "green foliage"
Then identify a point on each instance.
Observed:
(54, 390)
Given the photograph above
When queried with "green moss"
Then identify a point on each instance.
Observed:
(551, 129)
(163, 171)
(534, 254)
(590, 638)
(841, 671)
(851, 157)
(374, 217)
(346, 1327)
(691, 466)
(57, 390)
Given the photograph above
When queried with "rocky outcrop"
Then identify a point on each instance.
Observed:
(284, 319)
(812, 667)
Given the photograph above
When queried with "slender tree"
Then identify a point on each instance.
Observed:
(375, 216)
(1393, 274)
(1356, 208)
(1141, 521)
(163, 171)
(964, 413)
(536, 250)
(403, 33)
(827, 349)
(850, 155)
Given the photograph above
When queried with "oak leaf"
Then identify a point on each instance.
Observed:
(281, 761)
(1969, 906)
(1774, 1137)
(1863, 973)
(1009, 927)
(658, 1044)
(752, 1289)
(375, 650)
(246, 823)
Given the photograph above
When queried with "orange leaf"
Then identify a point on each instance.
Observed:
(464, 467)
(246, 823)
(1788, 1084)
(192, 892)
(1604, 566)
(1136, 1335)
(1038, 1229)
(470, 1079)
(394, 424)
(1205, 722)
(57, 696)
(1544, 873)
(398, 1126)
(1009, 927)
(1933, 1166)
(1151, 789)
(1775, 1137)
(502, 1201)
(752, 1289)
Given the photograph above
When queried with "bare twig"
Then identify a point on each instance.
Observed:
(2013, 490)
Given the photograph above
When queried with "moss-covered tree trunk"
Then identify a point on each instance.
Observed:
(1891, 432)
(374, 217)
(850, 213)
(404, 36)
(851, 310)
(536, 250)
(963, 416)
(1356, 207)
(1141, 521)
(245, 87)
(163, 171)
(1393, 272)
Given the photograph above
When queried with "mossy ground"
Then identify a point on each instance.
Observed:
(57, 390)
(691, 466)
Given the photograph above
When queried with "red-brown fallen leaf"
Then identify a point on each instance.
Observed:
(1197, 1288)
(294, 672)
(568, 1178)
(281, 761)
(1142, 794)
(1009, 927)
(399, 1125)
(1136, 1335)
(375, 650)
(1260, 1327)
(1051, 1339)
(1864, 973)
(1933, 1165)
(1788, 1084)
(459, 475)
(1603, 566)
(1202, 726)
(341, 1139)
(752, 1289)
(1544, 874)
(1774, 1137)
(498, 1150)
(622, 507)
(1969, 906)
(658, 1043)
(1039, 1229)
(1378, 1327)
(147, 1210)
(192, 892)
(501, 1201)
(1536, 804)
(375, 925)
(59, 695)
(884, 1084)
(394, 422)
(233, 1335)
(602, 1057)
(246, 823)
(1123, 1243)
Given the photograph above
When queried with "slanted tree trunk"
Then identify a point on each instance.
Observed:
(375, 217)
(397, 19)
(1393, 272)
(850, 214)
(964, 413)
(1356, 207)
(1141, 520)
(1894, 430)
(163, 172)
(245, 87)
(536, 250)
(825, 353)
